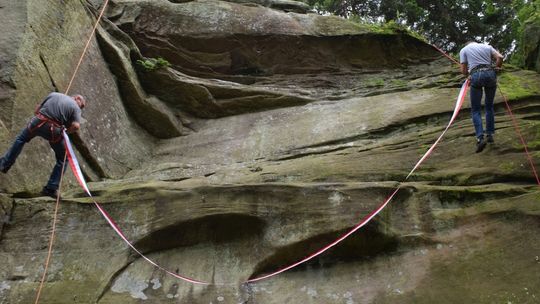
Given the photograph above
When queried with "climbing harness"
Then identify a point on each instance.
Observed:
(54, 127)
(481, 67)
(39, 120)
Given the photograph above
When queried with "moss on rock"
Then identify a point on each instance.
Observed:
(517, 85)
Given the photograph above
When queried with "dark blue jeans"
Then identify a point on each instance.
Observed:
(486, 81)
(48, 132)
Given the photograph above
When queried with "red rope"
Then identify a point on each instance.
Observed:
(87, 45)
(445, 54)
(518, 132)
(51, 239)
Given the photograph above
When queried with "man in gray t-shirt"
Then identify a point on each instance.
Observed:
(476, 62)
(63, 109)
(56, 113)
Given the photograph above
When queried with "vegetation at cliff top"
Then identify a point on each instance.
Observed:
(448, 24)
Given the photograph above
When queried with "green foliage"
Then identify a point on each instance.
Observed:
(393, 26)
(528, 14)
(152, 64)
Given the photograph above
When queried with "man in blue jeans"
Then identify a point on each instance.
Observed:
(56, 113)
(476, 62)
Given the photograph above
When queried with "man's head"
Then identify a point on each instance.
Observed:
(473, 40)
(79, 99)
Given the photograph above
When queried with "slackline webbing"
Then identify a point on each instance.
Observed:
(80, 178)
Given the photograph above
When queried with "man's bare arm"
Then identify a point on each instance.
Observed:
(464, 69)
(75, 126)
(498, 58)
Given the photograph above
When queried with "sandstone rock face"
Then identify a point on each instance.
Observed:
(284, 5)
(272, 133)
(531, 43)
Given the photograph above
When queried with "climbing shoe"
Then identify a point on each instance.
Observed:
(490, 139)
(480, 145)
(49, 192)
(3, 167)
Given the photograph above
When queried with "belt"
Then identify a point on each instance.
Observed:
(481, 67)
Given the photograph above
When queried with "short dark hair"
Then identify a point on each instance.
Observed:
(473, 40)
(83, 100)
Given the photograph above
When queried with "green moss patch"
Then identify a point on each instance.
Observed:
(519, 84)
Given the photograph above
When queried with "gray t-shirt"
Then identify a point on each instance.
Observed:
(475, 54)
(61, 108)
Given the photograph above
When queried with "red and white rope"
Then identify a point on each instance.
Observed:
(80, 178)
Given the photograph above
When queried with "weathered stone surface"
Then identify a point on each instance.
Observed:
(422, 235)
(294, 158)
(284, 5)
(216, 39)
(148, 111)
(211, 98)
(359, 60)
(530, 46)
(5, 211)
